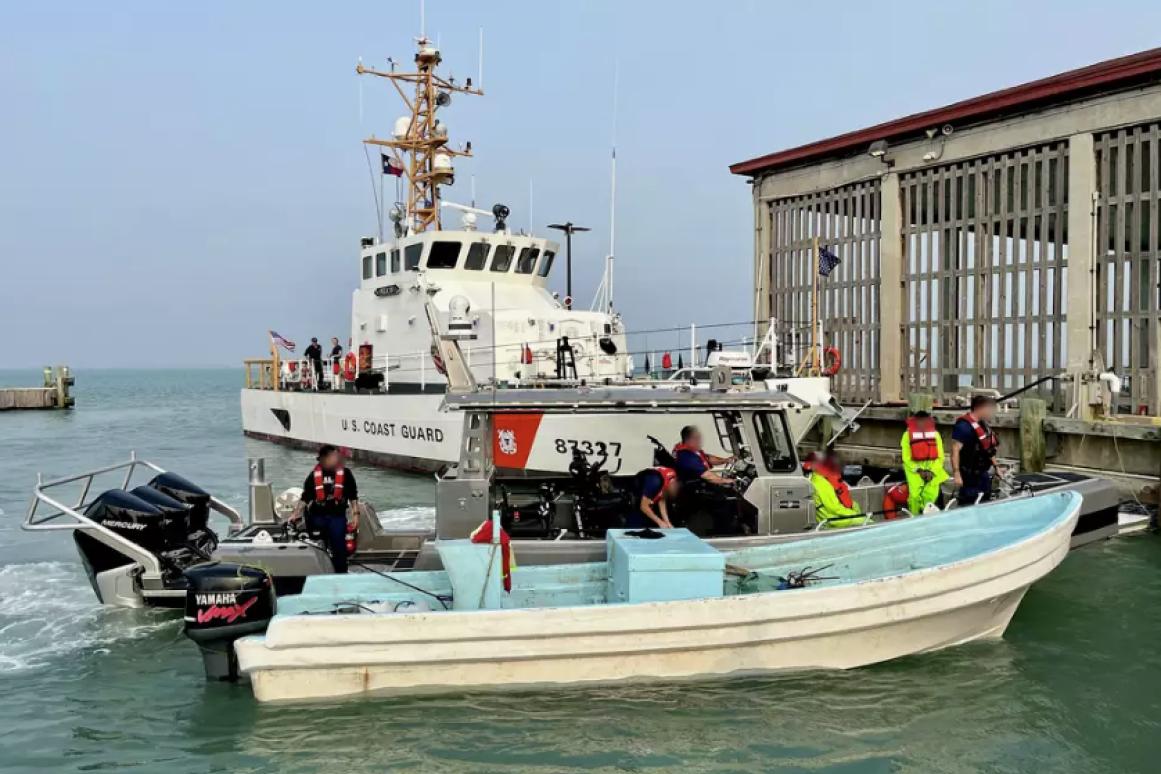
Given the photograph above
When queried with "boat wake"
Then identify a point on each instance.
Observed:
(413, 517)
(48, 610)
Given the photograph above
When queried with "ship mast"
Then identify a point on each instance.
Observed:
(419, 144)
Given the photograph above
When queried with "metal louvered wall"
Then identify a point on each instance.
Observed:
(1126, 261)
(984, 273)
(846, 220)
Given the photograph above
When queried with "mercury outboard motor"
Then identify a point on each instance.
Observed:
(186, 492)
(130, 517)
(224, 603)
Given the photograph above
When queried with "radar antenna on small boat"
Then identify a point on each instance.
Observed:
(419, 145)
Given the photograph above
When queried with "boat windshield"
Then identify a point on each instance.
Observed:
(774, 442)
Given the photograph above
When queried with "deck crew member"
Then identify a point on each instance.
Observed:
(692, 461)
(313, 354)
(330, 498)
(832, 496)
(973, 451)
(336, 356)
(653, 486)
(922, 461)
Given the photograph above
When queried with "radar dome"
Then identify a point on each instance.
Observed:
(402, 127)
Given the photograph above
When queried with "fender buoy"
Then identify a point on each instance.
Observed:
(836, 361)
(349, 367)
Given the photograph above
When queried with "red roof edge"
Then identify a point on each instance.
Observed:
(1056, 88)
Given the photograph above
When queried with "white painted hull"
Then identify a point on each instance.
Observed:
(840, 627)
(410, 432)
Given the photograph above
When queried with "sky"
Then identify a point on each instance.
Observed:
(176, 178)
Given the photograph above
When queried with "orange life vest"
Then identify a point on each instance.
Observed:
(667, 475)
(841, 490)
(895, 498)
(924, 439)
(319, 492)
(987, 438)
(701, 455)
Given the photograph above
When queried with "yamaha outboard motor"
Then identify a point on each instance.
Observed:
(224, 603)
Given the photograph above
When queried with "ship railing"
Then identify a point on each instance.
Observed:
(46, 512)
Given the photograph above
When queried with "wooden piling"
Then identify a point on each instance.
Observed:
(1032, 444)
(920, 401)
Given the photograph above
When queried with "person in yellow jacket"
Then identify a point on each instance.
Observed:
(922, 461)
(832, 496)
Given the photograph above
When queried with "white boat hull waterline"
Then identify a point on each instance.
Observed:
(844, 626)
(411, 432)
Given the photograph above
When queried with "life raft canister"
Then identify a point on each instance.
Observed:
(349, 367)
(895, 498)
(831, 355)
(924, 439)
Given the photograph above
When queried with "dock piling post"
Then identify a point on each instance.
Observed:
(1032, 445)
(920, 401)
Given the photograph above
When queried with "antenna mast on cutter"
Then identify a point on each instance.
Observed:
(419, 144)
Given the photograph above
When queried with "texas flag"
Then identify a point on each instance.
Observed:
(391, 166)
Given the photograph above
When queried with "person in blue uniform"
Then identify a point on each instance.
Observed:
(653, 486)
(330, 497)
(973, 451)
(692, 461)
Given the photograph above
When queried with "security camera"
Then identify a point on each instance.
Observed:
(947, 129)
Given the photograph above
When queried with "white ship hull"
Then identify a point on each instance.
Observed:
(410, 432)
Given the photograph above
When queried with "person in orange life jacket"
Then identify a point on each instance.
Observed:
(653, 486)
(832, 496)
(895, 497)
(973, 451)
(693, 463)
(922, 447)
(330, 496)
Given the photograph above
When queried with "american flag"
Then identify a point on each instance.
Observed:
(826, 262)
(282, 342)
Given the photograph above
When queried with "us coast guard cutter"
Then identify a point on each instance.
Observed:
(384, 403)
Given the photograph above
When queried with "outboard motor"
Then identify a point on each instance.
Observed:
(184, 491)
(224, 603)
(128, 516)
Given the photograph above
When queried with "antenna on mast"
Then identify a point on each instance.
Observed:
(480, 74)
(421, 148)
(604, 297)
(422, 20)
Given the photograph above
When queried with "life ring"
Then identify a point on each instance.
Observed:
(349, 367)
(836, 361)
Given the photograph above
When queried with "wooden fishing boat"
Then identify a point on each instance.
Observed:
(658, 610)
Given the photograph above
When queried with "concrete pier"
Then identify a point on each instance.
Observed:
(53, 394)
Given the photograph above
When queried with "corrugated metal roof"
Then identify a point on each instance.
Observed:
(1104, 76)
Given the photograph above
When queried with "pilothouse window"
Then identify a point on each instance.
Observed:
(366, 267)
(774, 442)
(444, 255)
(546, 263)
(502, 257)
(394, 261)
(380, 264)
(411, 256)
(477, 256)
(527, 260)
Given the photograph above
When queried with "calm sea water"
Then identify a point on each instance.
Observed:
(1075, 687)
